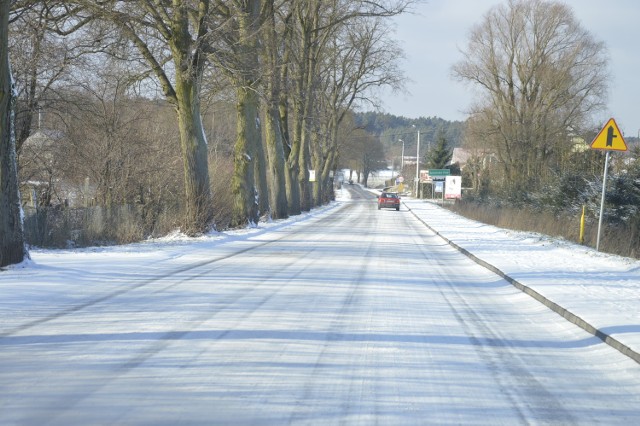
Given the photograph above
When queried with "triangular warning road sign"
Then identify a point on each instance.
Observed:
(610, 138)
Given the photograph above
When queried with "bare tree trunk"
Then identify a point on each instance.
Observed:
(277, 182)
(298, 160)
(12, 245)
(322, 159)
(303, 174)
(248, 151)
(291, 166)
(193, 144)
(291, 169)
(273, 128)
(262, 183)
(172, 23)
(327, 151)
(245, 205)
(293, 160)
(306, 95)
(26, 121)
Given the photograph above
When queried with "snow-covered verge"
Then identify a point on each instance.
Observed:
(601, 289)
(173, 245)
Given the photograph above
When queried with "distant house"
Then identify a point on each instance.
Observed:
(578, 144)
(625, 157)
(37, 166)
(42, 184)
(460, 156)
(41, 142)
(463, 155)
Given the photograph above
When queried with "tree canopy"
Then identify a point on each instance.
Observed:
(540, 75)
(292, 70)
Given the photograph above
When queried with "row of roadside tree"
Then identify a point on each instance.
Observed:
(291, 68)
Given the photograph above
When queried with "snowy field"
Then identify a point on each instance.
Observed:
(345, 315)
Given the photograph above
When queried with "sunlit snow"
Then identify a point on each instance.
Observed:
(344, 315)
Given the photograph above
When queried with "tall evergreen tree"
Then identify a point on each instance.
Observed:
(440, 156)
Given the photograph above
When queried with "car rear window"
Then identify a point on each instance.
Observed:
(386, 195)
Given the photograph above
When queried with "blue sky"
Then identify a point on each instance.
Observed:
(432, 37)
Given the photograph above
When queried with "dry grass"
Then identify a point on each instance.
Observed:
(57, 227)
(620, 240)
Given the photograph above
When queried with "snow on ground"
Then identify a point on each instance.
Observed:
(137, 334)
(602, 289)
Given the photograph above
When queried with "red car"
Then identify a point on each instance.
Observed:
(389, 200)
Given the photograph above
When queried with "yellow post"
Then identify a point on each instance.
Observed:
(582, 227)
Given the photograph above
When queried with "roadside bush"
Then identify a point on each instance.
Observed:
(623, 197)
(58, 227)
(617, 238)
(48, 226)
(221, 172)
(556, 209)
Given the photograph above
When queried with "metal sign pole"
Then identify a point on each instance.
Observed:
(604, 188)
(609, 139)
(418, 167)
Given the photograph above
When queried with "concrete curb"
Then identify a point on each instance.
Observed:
(568, 315)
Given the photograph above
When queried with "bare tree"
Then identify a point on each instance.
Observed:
(361, 151)
(539, 74)
(40, 60)
(372, 157)
(315, 23)
(238, 58)
(285, 69)
(12, 245)
(274, 29)
(362, 57)
(106, 142)
(172, 39)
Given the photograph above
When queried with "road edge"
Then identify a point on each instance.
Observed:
(563, 312)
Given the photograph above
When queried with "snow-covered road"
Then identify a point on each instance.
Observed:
(349, 315)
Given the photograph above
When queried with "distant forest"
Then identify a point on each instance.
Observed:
(392, 128)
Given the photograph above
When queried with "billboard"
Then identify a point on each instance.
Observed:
(453, 187)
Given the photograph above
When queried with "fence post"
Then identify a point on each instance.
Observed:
(582, 227)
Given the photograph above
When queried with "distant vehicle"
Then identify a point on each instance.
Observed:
(389, 200)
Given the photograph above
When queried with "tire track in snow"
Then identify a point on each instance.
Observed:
(333, 334)
(111, 295)
(164, 340)
(509, 371)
